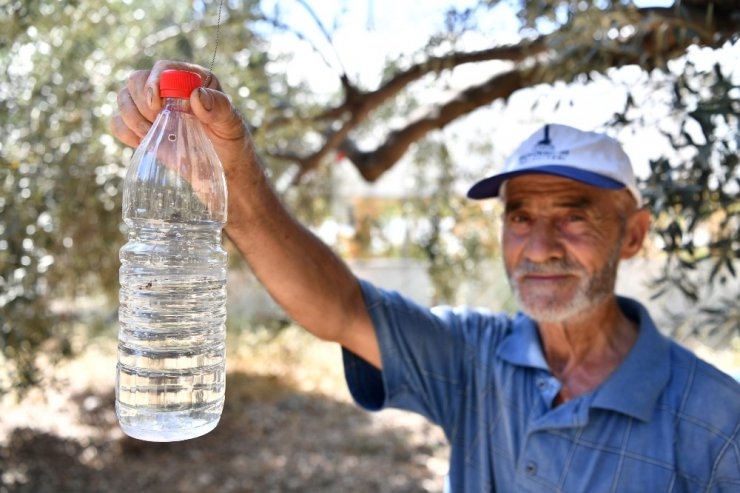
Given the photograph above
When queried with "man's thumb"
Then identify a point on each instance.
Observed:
(214, 110)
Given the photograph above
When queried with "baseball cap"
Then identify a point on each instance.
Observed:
(589, 157)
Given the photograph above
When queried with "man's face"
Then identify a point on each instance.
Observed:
(562, 243)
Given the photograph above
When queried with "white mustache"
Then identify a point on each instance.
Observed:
(557, 267)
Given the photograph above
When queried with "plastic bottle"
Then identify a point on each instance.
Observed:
(170, 377)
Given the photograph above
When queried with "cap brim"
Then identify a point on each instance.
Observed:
(490, 187)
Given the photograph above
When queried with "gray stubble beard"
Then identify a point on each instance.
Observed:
(591, 292)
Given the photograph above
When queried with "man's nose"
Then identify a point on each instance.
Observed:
(544, 242)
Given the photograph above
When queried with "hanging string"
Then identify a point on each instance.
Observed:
(215, 48)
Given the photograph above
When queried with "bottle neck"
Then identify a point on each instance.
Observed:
(177, 104)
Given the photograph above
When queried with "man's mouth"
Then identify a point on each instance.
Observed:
(545, 277)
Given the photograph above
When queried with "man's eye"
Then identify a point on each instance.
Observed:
(519, 218)
(573, 218)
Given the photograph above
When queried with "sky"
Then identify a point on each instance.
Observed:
(369, 32)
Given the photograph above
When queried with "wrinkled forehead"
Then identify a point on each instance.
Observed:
(542, 190)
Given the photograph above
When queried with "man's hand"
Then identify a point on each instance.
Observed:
(139, 103)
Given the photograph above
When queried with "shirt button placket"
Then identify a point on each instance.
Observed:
(548, 389)
(531, 468)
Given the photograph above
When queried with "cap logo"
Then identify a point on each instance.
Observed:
(546, 140)
(544, 150)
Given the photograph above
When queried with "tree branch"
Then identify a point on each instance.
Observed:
(363, 103)
(360, 104)
(373, 164)
(660, 33)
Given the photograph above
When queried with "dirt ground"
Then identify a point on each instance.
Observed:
(279, 431)
(288, 425)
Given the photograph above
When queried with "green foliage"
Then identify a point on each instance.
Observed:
(59, 170)
(694, 198)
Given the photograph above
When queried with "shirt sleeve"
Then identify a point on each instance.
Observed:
(426, 355)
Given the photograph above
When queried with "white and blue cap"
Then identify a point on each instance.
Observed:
(589, 157)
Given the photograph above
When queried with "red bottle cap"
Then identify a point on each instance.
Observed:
(178, 84)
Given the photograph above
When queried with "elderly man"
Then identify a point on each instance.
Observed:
(580, 392)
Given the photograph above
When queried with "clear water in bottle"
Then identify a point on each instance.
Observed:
(170, 378)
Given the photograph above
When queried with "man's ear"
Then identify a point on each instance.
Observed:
(634, 234)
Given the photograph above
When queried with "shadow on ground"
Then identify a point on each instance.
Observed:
(271, 438)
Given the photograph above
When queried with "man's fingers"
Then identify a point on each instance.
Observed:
(130, 114)
(121, 131)
(137, 91)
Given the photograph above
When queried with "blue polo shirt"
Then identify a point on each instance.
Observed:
(664, 420)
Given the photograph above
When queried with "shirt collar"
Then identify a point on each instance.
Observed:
(635, 385)
(522, 346)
